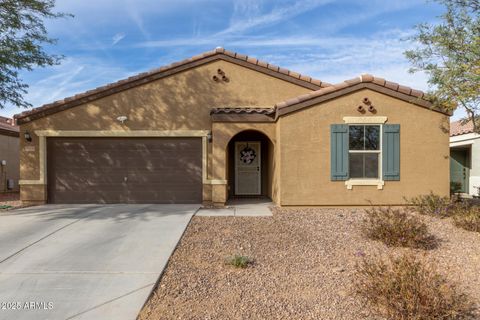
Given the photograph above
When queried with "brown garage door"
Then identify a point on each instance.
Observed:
(124, 170)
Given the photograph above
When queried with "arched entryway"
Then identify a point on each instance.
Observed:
(250, 166)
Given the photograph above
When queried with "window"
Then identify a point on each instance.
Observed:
(364, 151)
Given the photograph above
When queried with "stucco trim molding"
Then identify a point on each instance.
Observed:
(365, 120)
(364, 182)
(43, 134)
(31, 182)
(10, 133)
(217, 181)
(122, 133)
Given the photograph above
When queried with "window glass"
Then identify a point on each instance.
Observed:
(356, 165)
(371, 165)
(356, 137)
(364, 151)
(372, 138)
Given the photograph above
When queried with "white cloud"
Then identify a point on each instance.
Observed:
(330, 58)
(247, 14)
(319, 50)
(73, 76)
(117, 38)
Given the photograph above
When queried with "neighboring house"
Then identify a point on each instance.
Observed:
(221, 125)
(464, 158)
(9, 155)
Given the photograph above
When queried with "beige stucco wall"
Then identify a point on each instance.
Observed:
(9, 148)
(305, 153)
(181, 101)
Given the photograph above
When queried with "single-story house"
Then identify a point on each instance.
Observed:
(9, 155)
(464, 158)
(222, 125)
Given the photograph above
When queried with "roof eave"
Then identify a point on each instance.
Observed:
(143, 78)
(309, 100)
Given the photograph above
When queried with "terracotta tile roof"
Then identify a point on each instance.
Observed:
(243, 110)
(7, 126)
(461, 127)
(145, 77)
(365, 80)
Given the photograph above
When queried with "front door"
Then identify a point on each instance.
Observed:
(459, 170)
(248, 168)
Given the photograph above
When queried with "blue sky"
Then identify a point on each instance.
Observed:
(108, 40)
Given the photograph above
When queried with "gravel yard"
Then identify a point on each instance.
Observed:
(303, 269)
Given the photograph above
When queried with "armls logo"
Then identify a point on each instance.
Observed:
(28, 305)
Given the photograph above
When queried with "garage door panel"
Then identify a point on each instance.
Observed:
(132, 170)
(133, 179)
(127, 163)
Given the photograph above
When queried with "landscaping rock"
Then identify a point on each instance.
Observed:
(304, 266)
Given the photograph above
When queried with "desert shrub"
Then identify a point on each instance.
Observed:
(401, 288)
(396, 227)
(239, 261)
(467, 217)
(431, 204)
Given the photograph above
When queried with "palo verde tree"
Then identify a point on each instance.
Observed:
(22, 37)
(449, 53)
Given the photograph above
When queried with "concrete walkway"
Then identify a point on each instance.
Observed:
(240, 208)
(85, 261)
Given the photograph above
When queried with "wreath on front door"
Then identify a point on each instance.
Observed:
(247, 155)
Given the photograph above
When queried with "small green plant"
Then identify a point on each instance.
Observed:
(401, 288)
(239, 261)
(431, 204)
(396, 227)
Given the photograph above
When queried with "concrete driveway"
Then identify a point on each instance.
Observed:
(85, 261)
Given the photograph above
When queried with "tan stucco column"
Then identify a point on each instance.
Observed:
(220, 139)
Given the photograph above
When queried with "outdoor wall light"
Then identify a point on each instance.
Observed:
(122, 119)
(209, 137)
(27, 136)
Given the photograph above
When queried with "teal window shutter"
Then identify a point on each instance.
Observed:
(339, 152)
(391, 152)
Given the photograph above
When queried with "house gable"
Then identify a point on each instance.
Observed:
(365, 81)
(218, 54)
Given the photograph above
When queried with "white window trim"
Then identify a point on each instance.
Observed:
(365, 120)
(362, 181)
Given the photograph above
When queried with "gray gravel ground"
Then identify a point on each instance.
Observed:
(303, 269)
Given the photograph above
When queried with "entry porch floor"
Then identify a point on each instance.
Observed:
(241, 207)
